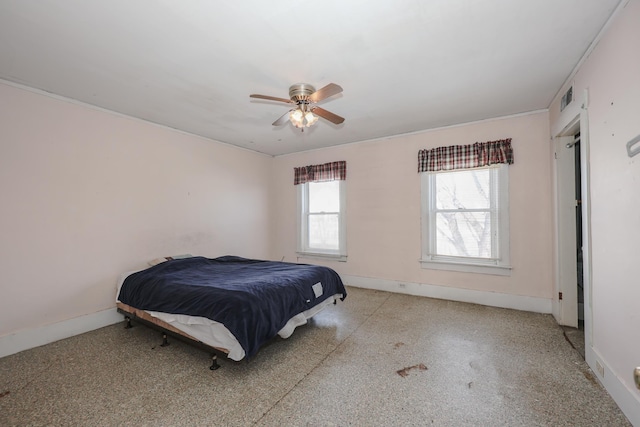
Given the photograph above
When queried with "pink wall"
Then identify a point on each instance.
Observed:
(612, 76)
(383, 206)
(88, 195)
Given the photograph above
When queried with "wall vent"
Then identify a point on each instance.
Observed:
(566, 98)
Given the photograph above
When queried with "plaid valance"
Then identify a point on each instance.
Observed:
(327, 172)
(465, 156)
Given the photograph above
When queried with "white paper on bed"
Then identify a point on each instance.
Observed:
(215, 334)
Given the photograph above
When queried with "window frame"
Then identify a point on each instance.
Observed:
(303, 248)
(499, 263)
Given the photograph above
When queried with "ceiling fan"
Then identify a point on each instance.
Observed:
(305, 113)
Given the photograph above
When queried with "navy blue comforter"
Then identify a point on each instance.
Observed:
(254, 299)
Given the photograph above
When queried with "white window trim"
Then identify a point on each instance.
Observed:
(303, 205)
(501, 265)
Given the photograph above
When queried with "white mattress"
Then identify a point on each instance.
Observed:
(215, 334)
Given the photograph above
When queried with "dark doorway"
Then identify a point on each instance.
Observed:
(575, 336)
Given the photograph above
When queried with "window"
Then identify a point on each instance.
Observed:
(465, 220)
(321, 213)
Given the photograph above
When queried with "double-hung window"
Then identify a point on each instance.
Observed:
(465, 214)
(322, 210)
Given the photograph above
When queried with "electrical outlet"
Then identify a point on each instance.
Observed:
(600, 368)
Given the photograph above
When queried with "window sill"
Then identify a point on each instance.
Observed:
(334, 257)
(496, 270)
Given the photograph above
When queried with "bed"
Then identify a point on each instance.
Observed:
(231, 304)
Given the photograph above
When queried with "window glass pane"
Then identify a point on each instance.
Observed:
(324, 232)
(324, 196)
(468, 189)
(464, 234)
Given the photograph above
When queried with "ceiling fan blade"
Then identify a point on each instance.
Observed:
(333, 118)
(282, 120)
(271, 98)
(325, 92)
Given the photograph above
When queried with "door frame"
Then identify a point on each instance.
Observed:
(574, 118)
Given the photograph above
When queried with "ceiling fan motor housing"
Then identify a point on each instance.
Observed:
(301, 92)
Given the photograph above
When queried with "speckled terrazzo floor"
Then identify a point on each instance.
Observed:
(575, 337)
(462, 365)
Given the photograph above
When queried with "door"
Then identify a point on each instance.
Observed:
(566, 311)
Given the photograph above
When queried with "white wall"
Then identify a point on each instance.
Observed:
(611, 74)
(383, 209)
(87, 195)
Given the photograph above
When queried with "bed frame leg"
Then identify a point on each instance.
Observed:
(214, 363)
(128, 324)
(165, 341)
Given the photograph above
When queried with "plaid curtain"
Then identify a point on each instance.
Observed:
(327, 172)
(465, 156)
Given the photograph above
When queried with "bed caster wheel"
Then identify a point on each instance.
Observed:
(165, 341)
(214, 363)
(127, 324)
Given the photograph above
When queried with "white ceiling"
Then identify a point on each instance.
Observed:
(405, 65)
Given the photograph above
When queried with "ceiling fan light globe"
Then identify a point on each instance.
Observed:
(297, 118)
(296, 115)
(310, 118)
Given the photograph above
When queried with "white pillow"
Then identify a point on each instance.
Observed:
(168, 258)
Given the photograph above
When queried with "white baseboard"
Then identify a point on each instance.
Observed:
(493, 299)
(626, 397)
(30, 338)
